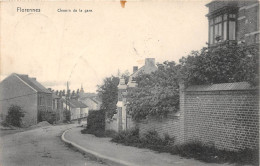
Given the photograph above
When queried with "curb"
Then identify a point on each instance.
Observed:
(98, 155)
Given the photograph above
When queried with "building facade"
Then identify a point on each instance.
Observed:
(78, 110)
(57, 107)
(233, 22)
(26, 92)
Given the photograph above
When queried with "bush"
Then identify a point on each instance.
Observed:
(195, 149)
(151, 140)
(14, 116)
(128, 137)
(48, 116)
(211, 154)
(96, 123)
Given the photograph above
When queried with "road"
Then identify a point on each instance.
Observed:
(41, 147)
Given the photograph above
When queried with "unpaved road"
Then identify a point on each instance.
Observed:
(41, 147)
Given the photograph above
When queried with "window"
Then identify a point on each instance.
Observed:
(232, 30)
(41, 100)
(222, 28)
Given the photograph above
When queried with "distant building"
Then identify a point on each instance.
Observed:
(90, 99)
(26, 92)
(121, 120)
(233, 22)
(77, 109)
(92, 102)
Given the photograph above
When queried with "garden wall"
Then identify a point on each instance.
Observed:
(224, 115)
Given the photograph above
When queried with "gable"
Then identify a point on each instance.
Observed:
(13, 87)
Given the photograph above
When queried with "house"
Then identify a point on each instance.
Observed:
(57, 107)
(121, 120)
(93, 103)
(233, 22)
(90, 99)
(26, 92)
(77, 109)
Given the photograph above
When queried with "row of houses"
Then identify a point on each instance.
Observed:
(33, 98)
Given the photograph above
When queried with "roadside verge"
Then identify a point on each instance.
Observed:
(107, 159)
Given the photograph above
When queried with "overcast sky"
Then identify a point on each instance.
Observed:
(84, 48)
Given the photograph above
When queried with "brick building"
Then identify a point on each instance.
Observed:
(233, 22)
(26, 92)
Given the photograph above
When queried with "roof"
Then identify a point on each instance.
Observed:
(32, 83)
(75, 103)
(221, 87)
(54, 96)
(86, 95)
(94, 99)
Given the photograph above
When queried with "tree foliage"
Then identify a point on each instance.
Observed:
(96, 121)
(221, 65)
(156, 94)
(14, 116)
(108, 92)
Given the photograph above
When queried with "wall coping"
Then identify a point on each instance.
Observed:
(236, 86)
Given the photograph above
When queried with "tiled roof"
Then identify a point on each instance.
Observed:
(221, 87)
(33, 83)
(96, 100)
(76, 104)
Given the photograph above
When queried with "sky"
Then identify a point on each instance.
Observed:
(85, 47)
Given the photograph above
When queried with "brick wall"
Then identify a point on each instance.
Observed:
(227, 119)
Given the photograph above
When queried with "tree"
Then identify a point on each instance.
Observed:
(108, 92)
(221, 65)
(156, 94)
(126, 75)
(14, 116)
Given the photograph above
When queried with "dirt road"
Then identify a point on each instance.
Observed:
(41, 147)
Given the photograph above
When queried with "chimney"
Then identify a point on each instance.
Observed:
(135, 68)
(149, 61)
(34, 78)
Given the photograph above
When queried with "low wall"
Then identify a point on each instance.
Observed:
(169, 125)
